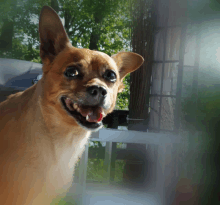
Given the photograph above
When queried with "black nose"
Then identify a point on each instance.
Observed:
(97, 91)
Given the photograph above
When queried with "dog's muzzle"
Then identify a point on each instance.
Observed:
(89, 111)
(96, 95)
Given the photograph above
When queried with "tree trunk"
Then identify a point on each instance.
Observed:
(7, 32)
(95, 35)
(7, 35)
(55, 5)
(94, 38)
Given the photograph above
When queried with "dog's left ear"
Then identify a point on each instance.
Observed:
(127, 62)
(53, 37)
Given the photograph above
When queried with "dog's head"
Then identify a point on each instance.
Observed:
(79, 84)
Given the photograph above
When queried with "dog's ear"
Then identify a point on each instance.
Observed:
(53, 37)
(127, 62)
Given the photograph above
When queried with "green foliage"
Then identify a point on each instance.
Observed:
(63, 201)
(204, 148)
(208, 111)
(123, 98)
(7, 9)
(119, 170)
(108, 18)
(95, 170)
(95, 166)
(22, 52)
(214, 5)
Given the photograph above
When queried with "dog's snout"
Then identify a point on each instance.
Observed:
(97, 91)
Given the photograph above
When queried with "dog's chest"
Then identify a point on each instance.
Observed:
(62, 172)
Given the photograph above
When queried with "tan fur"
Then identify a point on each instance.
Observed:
(39, 141)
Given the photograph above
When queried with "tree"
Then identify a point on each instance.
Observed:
(7, 21)
(99, 25)
(17, 29)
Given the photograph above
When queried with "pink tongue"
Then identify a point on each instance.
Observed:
(100, 117)
(94, 115)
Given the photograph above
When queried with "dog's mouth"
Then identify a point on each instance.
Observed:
(87, 116)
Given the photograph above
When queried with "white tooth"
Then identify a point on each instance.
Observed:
(75, 106)
(87, 117)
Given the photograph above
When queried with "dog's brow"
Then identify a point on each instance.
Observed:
(86, 61)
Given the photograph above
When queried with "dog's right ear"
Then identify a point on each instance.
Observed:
(53, 37)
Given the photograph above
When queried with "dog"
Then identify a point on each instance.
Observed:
(44, 129)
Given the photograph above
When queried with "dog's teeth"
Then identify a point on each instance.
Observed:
(87, 117)
(75, 106)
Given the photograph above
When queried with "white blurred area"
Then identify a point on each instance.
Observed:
(210, 46)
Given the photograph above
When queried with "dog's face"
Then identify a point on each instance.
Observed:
(80, 84)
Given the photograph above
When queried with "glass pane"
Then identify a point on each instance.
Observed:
(167, 113)
(156, 78)
(190, 45)
(162, 13)
(170, 78)
(177, 12)
(159, 45)
(173, 43)
(154, 112)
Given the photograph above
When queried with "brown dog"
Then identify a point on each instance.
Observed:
(45, 128)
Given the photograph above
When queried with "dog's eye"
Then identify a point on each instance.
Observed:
(72, 72)
(110, 76)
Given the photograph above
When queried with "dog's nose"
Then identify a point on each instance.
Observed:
(96, 91)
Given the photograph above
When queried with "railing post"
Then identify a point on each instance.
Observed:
(113, 160)
(107, 161)
(82, 176)
(114, 125)
(161, 172)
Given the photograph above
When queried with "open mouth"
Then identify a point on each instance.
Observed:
(87, 116)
